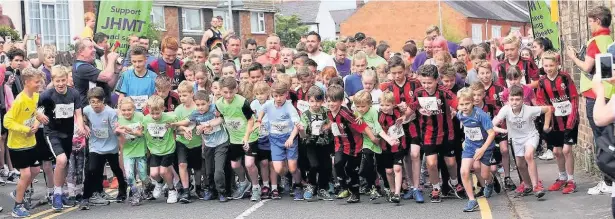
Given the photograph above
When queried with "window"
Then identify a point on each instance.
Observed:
(477, 33)
(226, 19)
(515, 29)
(257, 21)
(157, 17)
(49, 19)
(496, 31)
(192, 20)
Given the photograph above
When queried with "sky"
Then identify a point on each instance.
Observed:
(340, 4)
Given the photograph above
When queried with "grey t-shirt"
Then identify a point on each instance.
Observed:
(522, 125)
(473, 76)
(102, 137)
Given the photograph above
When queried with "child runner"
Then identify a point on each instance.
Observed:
(138, 83)
(262, 93)
(239, 122)
(282, 119)
(520, 121)
(435, 105)
(61, 107)
(557, 89)
(478, 146)
(133, 152)
(22, 125)
(392, 157)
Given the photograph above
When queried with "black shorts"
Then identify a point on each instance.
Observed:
(559, 138)
(263, 155)
(445, 149)
(190, 156)
(387, 159)
(24, 158)
(496, 159)
(500, 137)
(42, 146)
(60, 145)
(410, 141)
(161, 160)
(236, 152)
(3, 130)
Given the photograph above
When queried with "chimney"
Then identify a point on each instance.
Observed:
(360, 3)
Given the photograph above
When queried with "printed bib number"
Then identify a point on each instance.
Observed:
(303, 105)
(316, 126)
(101, 133)
(562, 108)
(157, 130)
(64, 111)
(395, 131)
(29, 122)
(133, 127)
(428, 103)
(262, 131)
(213, 129)
(233, 125)
(474, 134)
(335, 130)
(139, 101)
(279, 127)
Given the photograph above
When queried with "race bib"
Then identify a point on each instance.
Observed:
(335, 130)
(474, 134)
(262, 131)
(233, 124)
(562, 108)
(213, 130)
(64, 111)
(29, 122)
(157, 130)
(428, 103)
(139, 101)
(395, 131)
(133, 127)
(316, 126)
(101, 133)
(279, 127)
(303, 106)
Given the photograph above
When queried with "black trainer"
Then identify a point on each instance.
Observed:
(353, 198)
(184, 196)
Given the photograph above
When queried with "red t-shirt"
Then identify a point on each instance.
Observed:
(592, 51)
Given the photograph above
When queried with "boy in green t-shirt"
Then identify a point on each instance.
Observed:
(239, 122)
(159, 136)
(133, 150)
(188, 150)
(368, 114)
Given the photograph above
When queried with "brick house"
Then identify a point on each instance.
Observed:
(398, 21)
(251, 18)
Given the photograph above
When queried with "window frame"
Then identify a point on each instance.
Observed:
(184, 10)
(259, 17)
(162, 26)
(479, 38)
(59, 34)
(498, 27)
(513, 29)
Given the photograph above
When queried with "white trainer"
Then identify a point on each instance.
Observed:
(601, 188)
(172, 197)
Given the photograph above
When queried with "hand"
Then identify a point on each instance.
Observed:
(359, 121)
(402, 106)
(424, 112)
(479, 154)
(86, 132)
(187, 135)
(392, 142)
(246, 145)
(546, 129)
(300, 127)
(597, 85)
(42, 118)
(37, 40)
(11, 79)
(33, 130)
(400, 120)
(112, 56)
(571, 52)
(199, 129)
(80, 130)
(288, 143)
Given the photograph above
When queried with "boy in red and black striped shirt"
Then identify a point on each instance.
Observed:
(529, 70)
(493, 96)
(403, 89)
(348, 141)
(435, 106)
(390, 161)
(557, 89)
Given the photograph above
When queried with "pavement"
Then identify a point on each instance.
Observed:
(553, 205)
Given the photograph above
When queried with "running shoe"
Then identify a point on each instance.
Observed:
(135, 199)
(471, 206)
(157, 190)
(509, 184)
(242, 188)
(539, 190)
(324, 195)
(308, 193)
(57, 202)
(353, 198)
(20, 211)
(418, 195)
(435, 196)
(298, 194)
(481, 192)
(559, 184)
(13, 178)
(343, 194)
(265, 192)
(97, 199)
(172, 198)
(395, 198)
(275, 194)
(184, 196)
(408, 194)
(222, 198)
(488, 190)
(256, 194)
(374, 194)
(599, 189)
(456, 190)
(208, 195)
(84, 204)
(570, 187)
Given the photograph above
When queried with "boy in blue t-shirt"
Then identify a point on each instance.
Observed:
(478, 146)
(139, 82)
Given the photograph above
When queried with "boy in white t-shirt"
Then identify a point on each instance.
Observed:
(525, 138)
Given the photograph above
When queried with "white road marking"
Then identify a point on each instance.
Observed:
(252, 209)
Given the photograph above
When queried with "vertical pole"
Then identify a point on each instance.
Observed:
(440, 15)
(230, 14)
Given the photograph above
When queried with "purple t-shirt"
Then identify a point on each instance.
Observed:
(422, 56)
(47, 75)
(344, 68)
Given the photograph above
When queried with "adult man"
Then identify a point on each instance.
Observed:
(287, 55)
(16, 58)
(272, 56)
(169, 64)
(433, 31)
(342, 64)
(599, 20)
(251, 46)
(423, 56)
(144, 42)
(6, 20)
(409, 53)
(87, 76)
(212, 36)
(312, 46)
(233, 45)
(464, 56)
(350, 46)
(373, 59)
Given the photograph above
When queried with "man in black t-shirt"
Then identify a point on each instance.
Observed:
(87, 76)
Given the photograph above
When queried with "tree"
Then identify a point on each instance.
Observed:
(289, 29)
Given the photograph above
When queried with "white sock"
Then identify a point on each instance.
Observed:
(274, 186)
(563, 176)
(436, 186)
(570, 177)
(56, 190)
(257, 186)
(454, 182)
(265, 183)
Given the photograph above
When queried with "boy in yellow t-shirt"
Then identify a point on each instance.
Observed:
(21, 123)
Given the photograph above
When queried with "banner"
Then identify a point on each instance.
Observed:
(543, 17)
(120, 19)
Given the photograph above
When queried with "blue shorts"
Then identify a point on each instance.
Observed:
(281, 153)
(469, 151)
